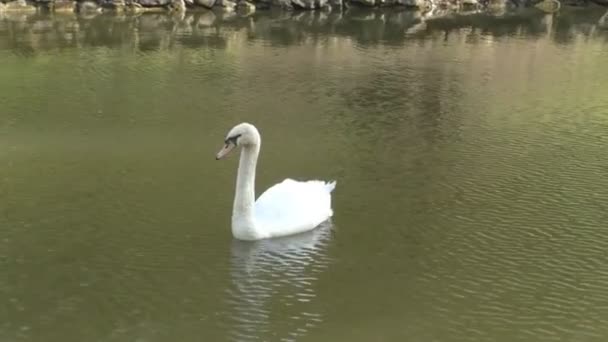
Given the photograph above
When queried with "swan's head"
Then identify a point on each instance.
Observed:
(243, 134)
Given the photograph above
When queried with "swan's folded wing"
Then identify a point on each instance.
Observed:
(293, 206)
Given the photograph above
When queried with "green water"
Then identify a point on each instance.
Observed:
(470, 155)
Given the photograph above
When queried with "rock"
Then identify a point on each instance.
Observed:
(205, 3)
(178, 6)
(411, 3)
(495, 4)
(309, 4)
(303, 4)
(369, 3)
(226, 4)
(262, 5)
(19, 5)
(284, 4)
(112, 4)
(87, 7)
(63, 6)
(137, 8)
(153, 3)
(245, 7)
(548, 6)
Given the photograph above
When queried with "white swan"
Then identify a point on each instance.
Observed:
(289, 207)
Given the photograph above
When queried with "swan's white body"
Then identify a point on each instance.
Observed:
(287, 208)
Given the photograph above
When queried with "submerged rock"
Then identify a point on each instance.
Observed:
(206, 19)
(245, 7)
(88, 7)
(205, 3)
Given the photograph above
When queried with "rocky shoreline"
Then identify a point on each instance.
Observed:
(88, 6)
(32, 33)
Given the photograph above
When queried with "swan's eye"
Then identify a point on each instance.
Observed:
(232, 140)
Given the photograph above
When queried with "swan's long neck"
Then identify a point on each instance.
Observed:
(243, 223)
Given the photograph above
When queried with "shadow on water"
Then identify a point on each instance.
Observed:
(278, 275)
(29, 33)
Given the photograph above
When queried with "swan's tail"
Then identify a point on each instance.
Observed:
(330, 186)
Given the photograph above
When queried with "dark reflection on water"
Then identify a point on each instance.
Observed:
(28, 33)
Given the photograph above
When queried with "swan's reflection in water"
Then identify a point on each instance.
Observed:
(273, 285)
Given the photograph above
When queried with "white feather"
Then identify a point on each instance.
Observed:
(292, 207)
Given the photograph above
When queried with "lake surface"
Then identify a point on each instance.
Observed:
(469, 151)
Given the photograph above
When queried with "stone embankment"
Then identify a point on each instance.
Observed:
(252, 5)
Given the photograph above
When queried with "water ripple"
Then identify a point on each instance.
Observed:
(276, 277)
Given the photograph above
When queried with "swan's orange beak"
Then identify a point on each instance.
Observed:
(224, 151)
